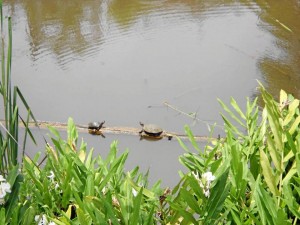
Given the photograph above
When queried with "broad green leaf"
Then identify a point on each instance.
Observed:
(291, 112)
(134, 220)
(230, 126)
(112, 153)
(188, 218)
(182, 144)
(82, 217)
(288, 156)
(72, 133)
(146, 191)
(29, 215)
(58, 222)
(298, 164)
(150, 218)
(54, 131)
(88, 162)
(189, 133)
(81, 155)
(89, 187)
(291, 142)
(283, 96)
(260, 202)
(190, 200)
(231, 113)
(2, 216)
(268, 173)
(237, 108)
(275, 127)
(295, 125)
(30, 169)
(236, 217)
(281, 218)
(14, 195)
(290, 173)
(117, 163)
(290, 200)
(216, 200)
(110, 213)
(194, 184)
(275, 155)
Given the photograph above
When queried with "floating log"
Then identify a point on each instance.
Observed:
(114, 130)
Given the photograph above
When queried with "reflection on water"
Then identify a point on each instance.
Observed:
(284, 18)
(76, 29)
(64, 28)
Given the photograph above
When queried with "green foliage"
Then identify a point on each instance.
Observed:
(256, 167)
(74, 187)
(9, 132)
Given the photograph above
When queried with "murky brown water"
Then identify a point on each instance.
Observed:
(120, 60)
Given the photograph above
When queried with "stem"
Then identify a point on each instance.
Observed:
(194, 116)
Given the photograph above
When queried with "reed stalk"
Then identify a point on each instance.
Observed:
(9, 132)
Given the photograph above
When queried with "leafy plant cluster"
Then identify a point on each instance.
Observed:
(74, 187)
(256, 167)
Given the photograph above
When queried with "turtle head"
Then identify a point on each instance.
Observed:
(141, 124)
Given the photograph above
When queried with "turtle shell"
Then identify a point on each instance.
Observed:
(95, 125)
(152, 130)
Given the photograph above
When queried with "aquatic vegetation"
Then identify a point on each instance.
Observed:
(74, 186)
(254, 169)
(10, 145)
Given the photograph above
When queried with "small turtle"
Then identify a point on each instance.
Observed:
(94, 127)
(151, 130)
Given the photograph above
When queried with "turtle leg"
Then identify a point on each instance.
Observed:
(141, 137)
(101, 125)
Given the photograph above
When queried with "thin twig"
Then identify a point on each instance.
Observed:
(194, 116)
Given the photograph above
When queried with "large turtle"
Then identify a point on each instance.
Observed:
(94, 127)
(151, 130)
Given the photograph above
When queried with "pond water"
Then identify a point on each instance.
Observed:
(121, 60)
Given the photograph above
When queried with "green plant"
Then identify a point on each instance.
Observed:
(10, 147)
(75, 187)
(256, 169)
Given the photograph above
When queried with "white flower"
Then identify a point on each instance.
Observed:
(134, 192)
(2, 178)
(4, 188)
(41, 219)
(51, 176)
(206, 193)
(208, 177)
(205, 181)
